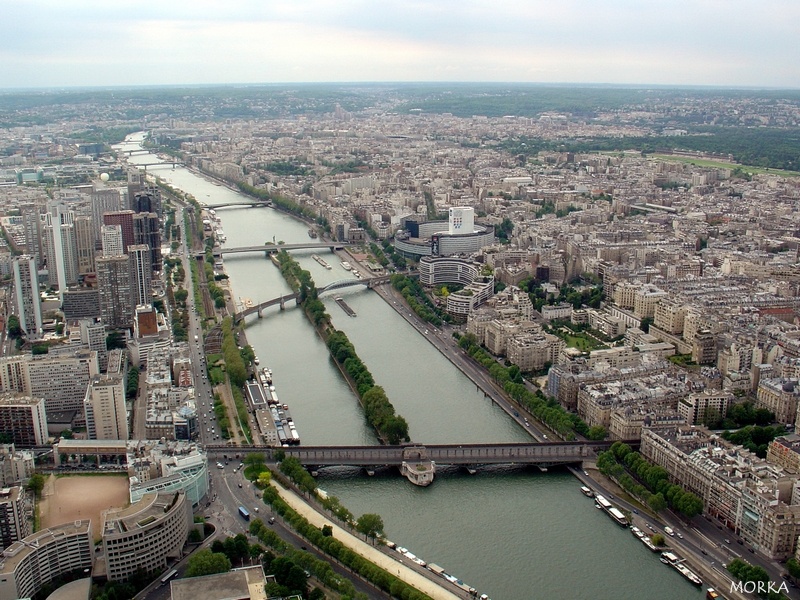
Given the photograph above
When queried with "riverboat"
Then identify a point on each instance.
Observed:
(689, 574)
(346, 265)
(712, 594)
(312, 234)
(321, 261)
(668, 558)
(587, 492)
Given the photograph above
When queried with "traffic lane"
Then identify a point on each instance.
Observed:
(242, 497)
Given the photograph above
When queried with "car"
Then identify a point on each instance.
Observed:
(751, 550)
(740, 542)
(636, 512)
(703, 552)
(271, 520)
(240, 485)
(727, 541)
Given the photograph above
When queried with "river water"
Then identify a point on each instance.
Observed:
(513, 534)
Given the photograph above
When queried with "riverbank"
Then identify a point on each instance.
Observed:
(363, 549)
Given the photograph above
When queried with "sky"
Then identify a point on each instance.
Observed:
(68, 43)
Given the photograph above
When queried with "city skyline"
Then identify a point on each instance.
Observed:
(621, 43)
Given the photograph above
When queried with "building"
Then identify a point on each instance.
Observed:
(103, 201)
(111, 240)
(709, 405)
(123, 218)
(16, 466)
(141, 274)
(147, 231)
(246, 583)
(32, 225)
(146, 534)
(116, 293)
(14, 522)
(780, 396)
(104, 408)
(84, 244)
(168, 467)
(81, 303)
(61, 247)
(60, 380)
(29, 564)
(26, 286)
(24, 419)
(147, 201)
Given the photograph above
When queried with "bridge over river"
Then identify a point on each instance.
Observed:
(369, 282)
(418, 459)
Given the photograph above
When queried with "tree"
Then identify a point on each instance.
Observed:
(36, 484)
(195, 536)
(793, 567)
(657, 539)
(115, 340)
(370, 524)
(205, 562)
(645, 324)
(14, 327)
(597, 432)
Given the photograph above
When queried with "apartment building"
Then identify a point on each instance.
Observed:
(29, 564)
(146, 534)
(24, 419)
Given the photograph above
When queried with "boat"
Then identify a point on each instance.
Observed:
(312, 234)
(256, 361)
(689, 574)
(668, 558)
(321, 261)
(587, 492)
(346, 265)
(712, 594)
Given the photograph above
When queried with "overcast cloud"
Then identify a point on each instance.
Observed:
(47, 43)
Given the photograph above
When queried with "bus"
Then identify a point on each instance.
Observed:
(244, 513)
(168, 576)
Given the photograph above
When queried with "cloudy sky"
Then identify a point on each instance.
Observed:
(45, 43)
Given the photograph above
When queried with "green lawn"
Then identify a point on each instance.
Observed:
(699, 162)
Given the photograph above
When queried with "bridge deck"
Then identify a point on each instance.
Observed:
(465, 454)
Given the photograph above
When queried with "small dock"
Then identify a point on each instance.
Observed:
(343, 305)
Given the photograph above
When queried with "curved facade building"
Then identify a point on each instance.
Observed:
(457, 235)
(434, 271)
(188, 473)
(27, 565)
(145, 535)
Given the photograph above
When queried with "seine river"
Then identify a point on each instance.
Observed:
(512, 534)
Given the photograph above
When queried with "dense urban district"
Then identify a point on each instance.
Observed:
(616, 267)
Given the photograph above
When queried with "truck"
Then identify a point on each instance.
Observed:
(668, 531)
(244, 514)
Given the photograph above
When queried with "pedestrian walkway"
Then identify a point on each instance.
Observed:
(375, 556)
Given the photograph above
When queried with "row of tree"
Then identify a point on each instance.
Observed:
(333, 547)
(418, 300)
(378, 410)
(320, 569)
(280, 201)
(549, 412)
(652, 481)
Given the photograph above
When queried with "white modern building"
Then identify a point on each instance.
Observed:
(26, 286)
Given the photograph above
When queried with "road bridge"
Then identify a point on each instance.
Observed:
(268, 248)
(252, 310)
(253, 204)
(369, 282)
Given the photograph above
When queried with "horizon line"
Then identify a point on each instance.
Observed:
(66, 88)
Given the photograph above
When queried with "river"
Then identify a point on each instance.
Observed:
(513, 534)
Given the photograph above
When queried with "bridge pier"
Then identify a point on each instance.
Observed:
(283, 303)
